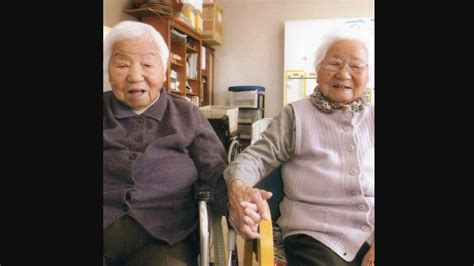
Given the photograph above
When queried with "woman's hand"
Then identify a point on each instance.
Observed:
(247, 206)
(369, 258)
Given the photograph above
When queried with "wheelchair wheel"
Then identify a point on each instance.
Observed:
(217, 237)
(234, 149)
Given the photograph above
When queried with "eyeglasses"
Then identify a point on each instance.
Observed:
(336, 65)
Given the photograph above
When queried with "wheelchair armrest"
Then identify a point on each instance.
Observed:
(203, 191)
(208, 221)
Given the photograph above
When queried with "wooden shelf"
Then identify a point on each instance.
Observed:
(164, 23)
(180, 25)
(176, 91)
(139, 13)
(176, 63)
(208, 77)
(189, 51)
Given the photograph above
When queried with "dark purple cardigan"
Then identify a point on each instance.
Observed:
(151, 161)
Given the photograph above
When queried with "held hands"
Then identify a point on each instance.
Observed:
(247, 207)
(369, 258)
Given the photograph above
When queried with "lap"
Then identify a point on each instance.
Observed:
(126, 242)
(304, 250)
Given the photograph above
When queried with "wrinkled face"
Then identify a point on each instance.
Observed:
(136, 72)
(343, 74)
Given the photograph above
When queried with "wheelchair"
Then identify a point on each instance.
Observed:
(210, 223)
(230, 142)
(210, 227)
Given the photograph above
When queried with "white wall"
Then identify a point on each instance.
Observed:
(113, 14)
(113, 11)
(253, 49)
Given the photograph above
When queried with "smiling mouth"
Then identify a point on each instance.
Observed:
(136, 91)
(341, 87)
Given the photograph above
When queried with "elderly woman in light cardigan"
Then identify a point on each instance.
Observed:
(325, 147)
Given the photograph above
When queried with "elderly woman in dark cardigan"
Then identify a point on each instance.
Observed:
(155, 146)
(325, 147)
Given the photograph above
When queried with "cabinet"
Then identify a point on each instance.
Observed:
(208, 76)
(247, 116)
(184, 73)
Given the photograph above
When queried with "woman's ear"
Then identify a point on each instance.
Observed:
(318, 68)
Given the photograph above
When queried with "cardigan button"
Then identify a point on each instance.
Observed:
(354, 171)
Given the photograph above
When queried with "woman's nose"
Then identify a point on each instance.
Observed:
(344, 72)
(135, 74)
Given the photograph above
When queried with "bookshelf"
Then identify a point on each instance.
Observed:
(184, 73)
(208, 76)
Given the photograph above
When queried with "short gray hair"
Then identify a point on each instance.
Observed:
(338, 35)
(130, 30)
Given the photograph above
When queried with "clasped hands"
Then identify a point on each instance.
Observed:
(247, 207)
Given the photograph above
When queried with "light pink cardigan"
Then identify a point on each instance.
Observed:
(328, 173)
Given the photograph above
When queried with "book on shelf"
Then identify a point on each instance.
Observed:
(203, 58)
(174, 85)
(173, 74)
(189, 89)
(178, 37)
(192, 66)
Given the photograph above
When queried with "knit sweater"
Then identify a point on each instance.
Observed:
(151, 161)
(327, 170)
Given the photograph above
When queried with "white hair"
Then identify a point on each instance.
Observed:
(342, 34)
(130, 30)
